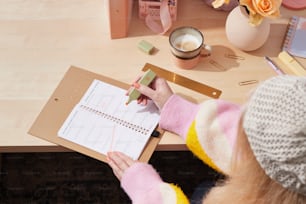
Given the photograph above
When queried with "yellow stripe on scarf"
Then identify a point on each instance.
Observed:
(180, 196)
(194, 145)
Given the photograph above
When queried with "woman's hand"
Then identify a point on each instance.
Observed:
(119, 162)
(159, 91)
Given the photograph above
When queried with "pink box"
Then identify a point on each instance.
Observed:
(119, 12)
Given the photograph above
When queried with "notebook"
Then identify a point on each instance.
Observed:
(102, 122)
(85, 109)
(295, 39)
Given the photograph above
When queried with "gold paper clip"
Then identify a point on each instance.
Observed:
(242, 83)
(231, 56)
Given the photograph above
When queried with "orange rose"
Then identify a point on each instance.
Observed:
(260, 9)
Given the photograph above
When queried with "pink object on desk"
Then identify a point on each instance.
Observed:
(119, 14)
(294, 4)
(158, 15)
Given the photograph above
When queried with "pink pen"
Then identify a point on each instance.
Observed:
(274, 66)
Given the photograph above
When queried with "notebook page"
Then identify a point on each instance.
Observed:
(298, 43)
(102, 122)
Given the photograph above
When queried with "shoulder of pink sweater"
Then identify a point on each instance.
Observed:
(222, 113)
(209, 128)
(178, 114)
(213, 133)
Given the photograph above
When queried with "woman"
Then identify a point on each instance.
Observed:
(260, 147)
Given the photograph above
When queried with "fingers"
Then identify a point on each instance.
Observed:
(134, 82)
(142, 100)
(128, 160)
(147, 91)
(114, 167)
(119, 162)
(159, 91)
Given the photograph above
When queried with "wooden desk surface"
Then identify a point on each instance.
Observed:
(39, 40)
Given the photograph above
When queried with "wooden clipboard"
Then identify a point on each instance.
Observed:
(67, 94)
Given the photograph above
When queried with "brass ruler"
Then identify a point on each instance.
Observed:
(183, 81)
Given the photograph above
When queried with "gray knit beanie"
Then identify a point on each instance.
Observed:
(275, 124)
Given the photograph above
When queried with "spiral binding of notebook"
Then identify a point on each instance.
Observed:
(289, 33)
(294, 42)
(116, 120)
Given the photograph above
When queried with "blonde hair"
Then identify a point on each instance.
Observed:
(247, 182)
